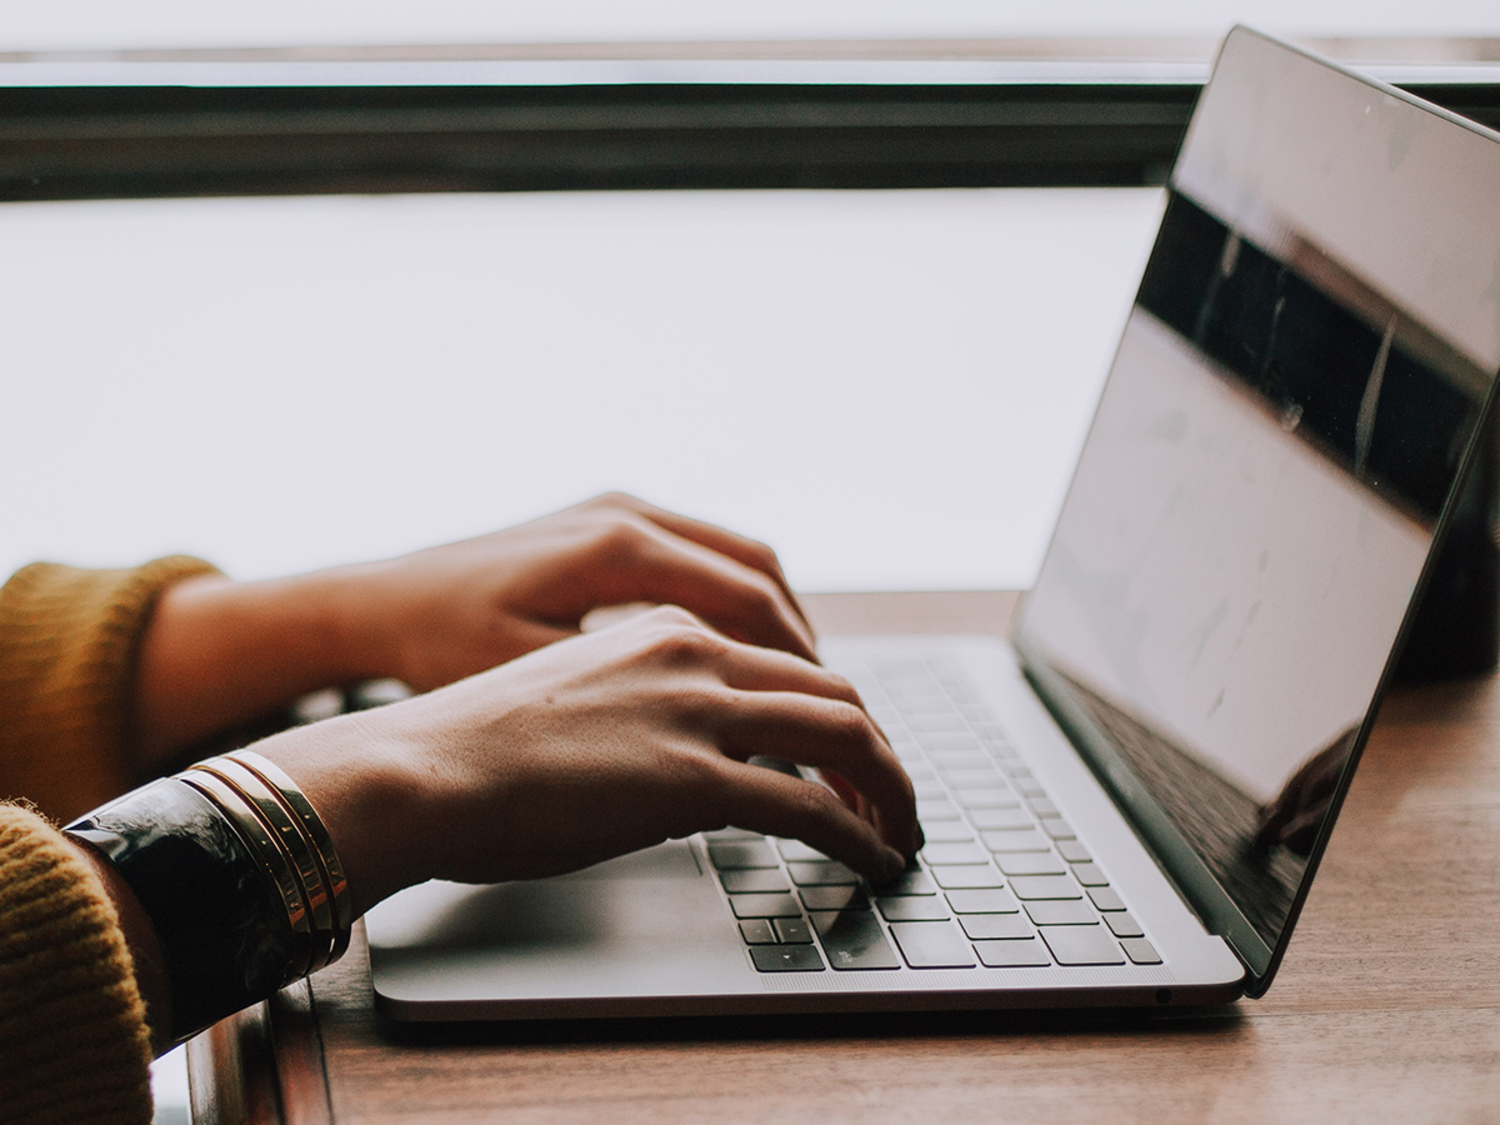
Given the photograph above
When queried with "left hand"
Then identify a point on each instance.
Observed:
(449, 612)
(218, 652)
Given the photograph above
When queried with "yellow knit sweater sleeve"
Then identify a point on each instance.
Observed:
(73, 1040)
(68, 639)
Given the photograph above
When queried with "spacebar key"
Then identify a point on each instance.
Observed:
(853, 939)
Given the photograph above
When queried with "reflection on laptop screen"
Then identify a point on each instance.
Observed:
(1299, 381)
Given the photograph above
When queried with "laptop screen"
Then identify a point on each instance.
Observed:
(1299, 381)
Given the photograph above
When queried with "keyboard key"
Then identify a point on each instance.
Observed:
(834, 898)
(1123, 926)
(936, 722)
(970, 876)
(1043, 807)
(969, 758)
(912, 881)
(1045, 886)
(740, 854)
(1083, 945)
(794, 931)
(1001, 819)
(948, 832)
(854, 941)
(1055, 913)
(1021, 953)
(928, 787)
(1027, 787)
(954, 853)
(795, 851)
(1032, 863)
(754, 879)
(1018, 770)
(983, 902)
(1016, 840)
(1106, 899)
(732, 834)
(1141, 951)
(916, 908)
(1090, 876)
(933, 945)
(1073, 851)
(939, 744)
(1057, 828)
(988, 778)
(988, 799)
(934, 809)
(786, 958)
(765, 906)
(757, 931)
(828, 873)
(981, 927)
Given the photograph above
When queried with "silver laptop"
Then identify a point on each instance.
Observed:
(1127, 804)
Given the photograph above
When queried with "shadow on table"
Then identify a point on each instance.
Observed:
(1195, 1022)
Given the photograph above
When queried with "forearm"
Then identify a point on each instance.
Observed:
(218, 653)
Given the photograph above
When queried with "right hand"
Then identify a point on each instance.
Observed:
(597, 746)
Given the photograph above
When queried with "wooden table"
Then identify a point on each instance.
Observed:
(1387, 1008)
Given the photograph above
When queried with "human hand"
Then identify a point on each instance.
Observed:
(441, 614)
(597, 746)
(217, 652)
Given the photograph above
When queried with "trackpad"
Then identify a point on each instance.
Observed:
(640, 923)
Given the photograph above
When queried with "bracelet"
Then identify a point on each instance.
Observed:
(238, 875)
(223, 933)
(327, 855)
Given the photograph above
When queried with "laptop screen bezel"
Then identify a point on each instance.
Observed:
(1195, 882)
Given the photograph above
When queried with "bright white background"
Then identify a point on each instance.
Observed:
(890, 387)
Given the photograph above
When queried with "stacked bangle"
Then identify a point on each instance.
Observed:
(238, 875)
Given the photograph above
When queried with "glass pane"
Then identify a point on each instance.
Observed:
(891, 387)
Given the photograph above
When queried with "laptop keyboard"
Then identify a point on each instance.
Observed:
(1003, 882)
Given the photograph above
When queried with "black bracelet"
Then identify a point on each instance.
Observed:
(219, 918)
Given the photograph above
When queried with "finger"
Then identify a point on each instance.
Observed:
(649, 563)
(845, 792)
(748, 667)
(765, 801)
(833, 735)
(748, 552)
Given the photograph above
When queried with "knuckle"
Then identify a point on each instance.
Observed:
(849, 721)
(619, 540)
(612, 499)
(843, 687)
(762, 554)
(688, 642)
(759, 594)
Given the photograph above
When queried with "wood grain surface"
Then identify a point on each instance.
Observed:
(1387, 1008)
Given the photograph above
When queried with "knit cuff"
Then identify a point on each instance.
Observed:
(73, 1033)
(68, 642)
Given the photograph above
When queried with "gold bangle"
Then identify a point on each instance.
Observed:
(276, 862)
(286, 827)
(322, 842)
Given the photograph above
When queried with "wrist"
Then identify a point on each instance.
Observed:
(218, 653)
(360, 777)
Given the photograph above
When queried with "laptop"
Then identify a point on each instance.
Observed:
(1126, 805)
